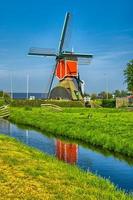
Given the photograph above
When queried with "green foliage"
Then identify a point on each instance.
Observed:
(109, 128)
(120, 93)
(104, 95)
(28, 174)
(108, 103)
(93, 96)
(25, 102)
(1, 94)
(38, 102)
(4, 98)
(2, 102)
(7, 98)
(128, 73)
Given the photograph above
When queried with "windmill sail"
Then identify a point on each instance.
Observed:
(78, 55)
(64, 32)
(66, 66)
(51, 80)
(42, 52)
(84, 61)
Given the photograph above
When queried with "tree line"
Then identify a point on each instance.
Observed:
(109, 95)
(128, 79)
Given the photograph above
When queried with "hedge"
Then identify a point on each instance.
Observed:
(109, 103)
(38, 102)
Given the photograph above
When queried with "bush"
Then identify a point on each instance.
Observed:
(38, 102)
(7, 98)
(108, 103)
(26, 103)
(4, 98)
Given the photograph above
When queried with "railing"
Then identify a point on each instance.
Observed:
(4, 111)
(52, 106)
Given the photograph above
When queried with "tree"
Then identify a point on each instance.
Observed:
(104, 95)
(120, 93)
(117, 93)
(93, 96)
(128, 74)
(123, 93)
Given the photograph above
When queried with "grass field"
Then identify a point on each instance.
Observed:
(28, 174)
(111, 129)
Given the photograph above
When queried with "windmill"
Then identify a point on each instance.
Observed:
(65, 69)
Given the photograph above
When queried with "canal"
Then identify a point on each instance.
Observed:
(116, 168)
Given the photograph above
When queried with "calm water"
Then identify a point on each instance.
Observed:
(17, 95)
(119, 171)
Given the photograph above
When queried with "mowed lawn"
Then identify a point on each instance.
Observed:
(111, 129)
(28, 174)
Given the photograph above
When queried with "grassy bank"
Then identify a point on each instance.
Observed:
(28, 174)
(110, 128)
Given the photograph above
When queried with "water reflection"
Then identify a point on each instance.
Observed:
(87, 158)
(66, 152)
(4, 126)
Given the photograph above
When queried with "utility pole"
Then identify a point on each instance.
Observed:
(27, 86)
(3, 94)
(107, 86)
(11, 90)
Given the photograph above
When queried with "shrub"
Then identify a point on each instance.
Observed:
(7, 98)
(38, 102)
(108, 103)
(25, 103)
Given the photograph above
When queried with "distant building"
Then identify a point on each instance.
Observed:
(124, 101)
(32, 98)
(130, 99)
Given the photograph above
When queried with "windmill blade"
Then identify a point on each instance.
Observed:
(77, 55)
(84, 61)
(42, 52)
(52, 79)
(64, 31)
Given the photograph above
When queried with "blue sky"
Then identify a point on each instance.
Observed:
(103, 28)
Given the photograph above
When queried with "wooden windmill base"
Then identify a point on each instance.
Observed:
(66, 89)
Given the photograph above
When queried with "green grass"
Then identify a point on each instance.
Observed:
(28, 174)
(111, 129)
